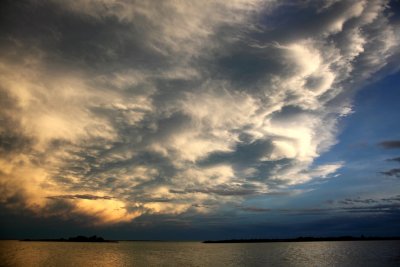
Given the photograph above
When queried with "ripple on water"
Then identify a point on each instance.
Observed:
(350, 253)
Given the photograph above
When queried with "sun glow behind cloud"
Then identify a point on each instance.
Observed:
(176, 107)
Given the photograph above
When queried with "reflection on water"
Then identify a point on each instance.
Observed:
(357, 253)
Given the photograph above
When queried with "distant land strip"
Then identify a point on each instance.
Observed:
(96, 239)
(304, 239)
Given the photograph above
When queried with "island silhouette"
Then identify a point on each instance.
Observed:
(78, 238)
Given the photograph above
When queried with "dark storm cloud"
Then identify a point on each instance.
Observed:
(392, 199)
(69, 38)
(244, 153)
(221, 190)
(255, 209)
(348, 205)
(381, 208)
(369, 205)
(392, 172)
(378, 208)
(249, 65)
(391, 144)
(359, 200)
(394, 159)
(304, 17)
(77, 196)
(12, 138)
(351, 201)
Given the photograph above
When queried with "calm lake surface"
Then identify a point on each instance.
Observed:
(350, 253)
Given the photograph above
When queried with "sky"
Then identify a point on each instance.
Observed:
(199, 119)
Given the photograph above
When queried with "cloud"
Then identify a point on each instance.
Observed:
(387, 204)
(392, 199)
(127, 109)
(392, 144)
(77, 196)
(382, 208)
(375, 209)
(255, 209)
(392, 172)
(394, 159)
(348, 201)
(348, 205)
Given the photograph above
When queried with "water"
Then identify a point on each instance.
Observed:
(351, 253)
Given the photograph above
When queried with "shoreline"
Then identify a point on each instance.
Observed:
(302, 239)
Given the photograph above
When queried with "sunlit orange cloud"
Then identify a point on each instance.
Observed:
(105, 211)
(34, 187)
